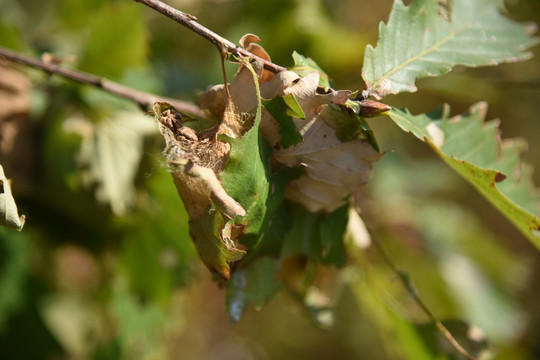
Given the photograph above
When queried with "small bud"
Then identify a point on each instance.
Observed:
(371, 108)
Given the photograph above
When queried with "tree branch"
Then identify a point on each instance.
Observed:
(142, 98)
(223, 45)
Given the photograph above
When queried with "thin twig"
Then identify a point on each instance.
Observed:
(223, 45)
(142, 98)
(403, 278)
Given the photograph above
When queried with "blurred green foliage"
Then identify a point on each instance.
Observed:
(89, 279)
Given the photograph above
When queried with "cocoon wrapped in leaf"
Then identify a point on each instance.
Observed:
(334, 168)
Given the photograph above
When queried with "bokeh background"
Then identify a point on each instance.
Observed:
(104, 268)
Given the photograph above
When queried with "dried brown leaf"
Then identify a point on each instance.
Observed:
(249, 43)
(334, 169)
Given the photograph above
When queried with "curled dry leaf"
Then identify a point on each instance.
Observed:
(334, 168)
(195, 161)
(249, 42)
(223, 173)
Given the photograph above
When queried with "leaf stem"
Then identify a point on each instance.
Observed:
(220, 42)
(406, 282)
(142, 98)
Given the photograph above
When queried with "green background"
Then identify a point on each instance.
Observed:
(104, 268)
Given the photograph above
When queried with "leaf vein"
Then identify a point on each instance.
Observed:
(430, 49)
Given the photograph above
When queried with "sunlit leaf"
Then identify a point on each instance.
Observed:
(473, 149)
(294, 109)
(429, 39)
(9, 215)
(246, 177)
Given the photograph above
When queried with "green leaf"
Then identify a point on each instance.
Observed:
(246, 176)
(255, 284)
(280, 110)
(473, 149)
(9, 215)
(295, 109)
(210, 244)
(429, 39)
(303, 66)
(277, 219)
